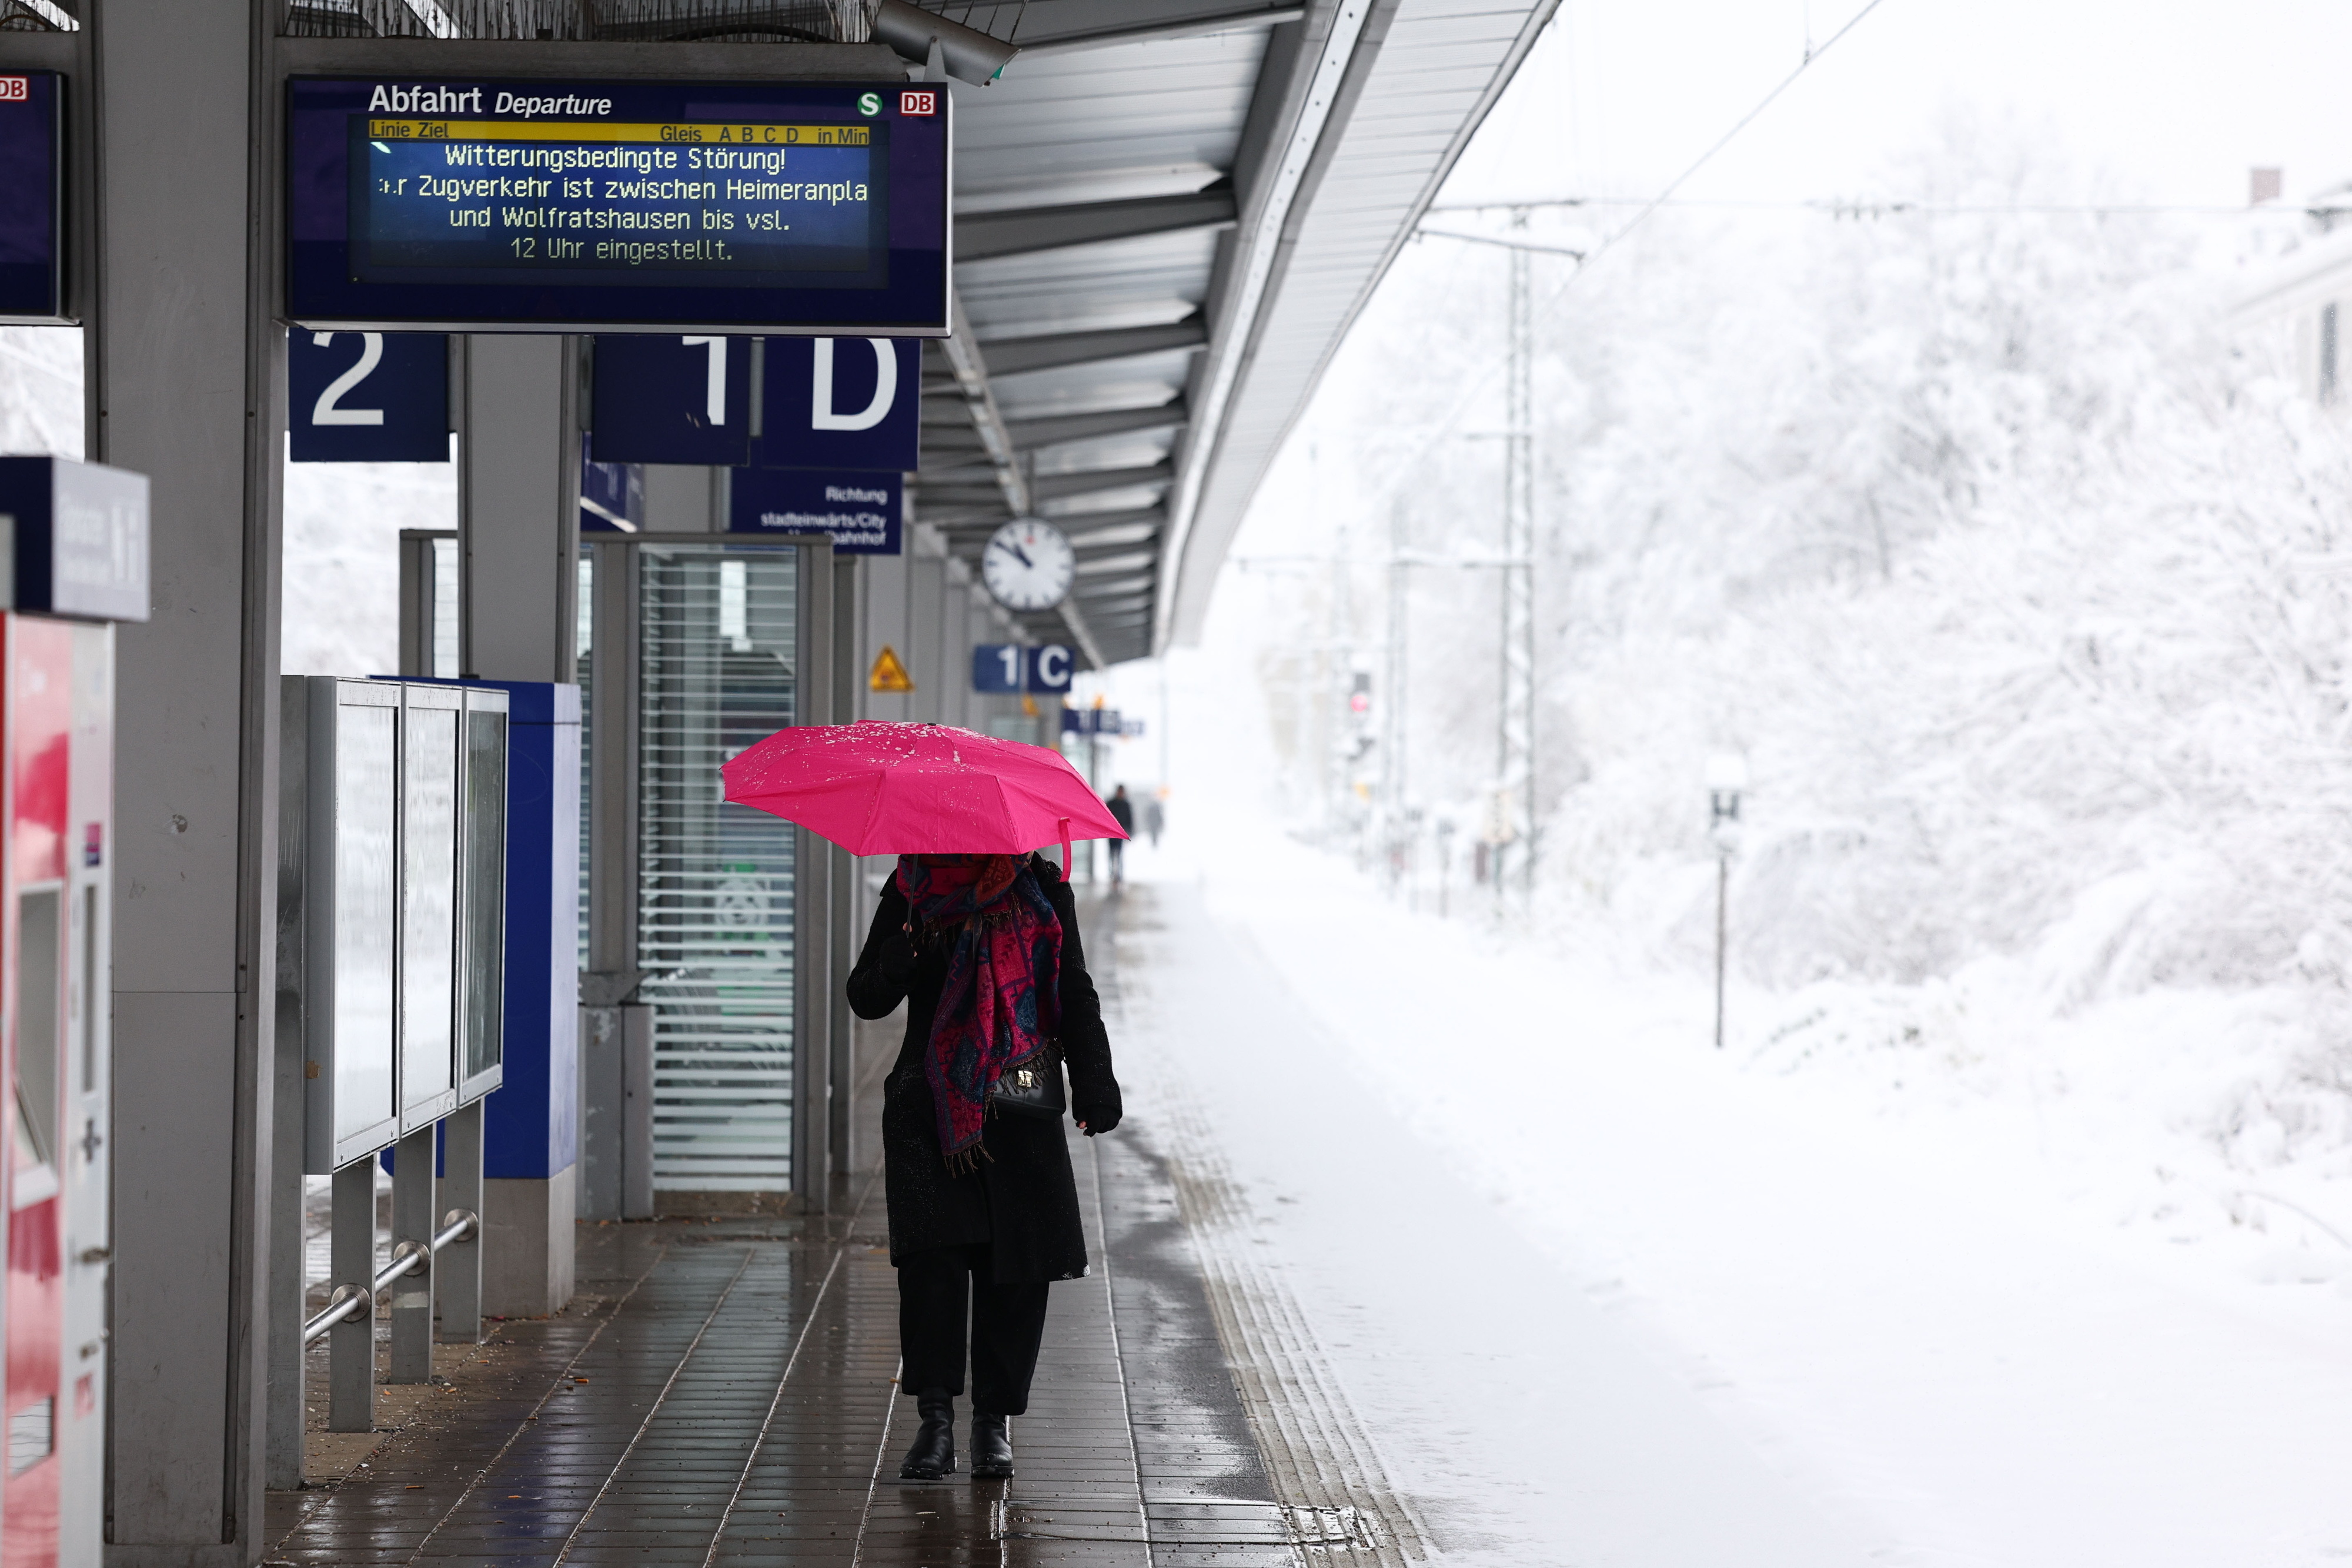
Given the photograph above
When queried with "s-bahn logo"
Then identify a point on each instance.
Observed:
(15, 89)
(926, 102)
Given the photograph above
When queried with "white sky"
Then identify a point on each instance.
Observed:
(2173, 102)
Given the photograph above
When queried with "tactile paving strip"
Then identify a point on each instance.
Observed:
(1332, 1490)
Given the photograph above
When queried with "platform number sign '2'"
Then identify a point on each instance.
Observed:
(368, 397)
(328, 408)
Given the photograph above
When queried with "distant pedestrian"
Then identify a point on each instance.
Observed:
(1154, 819)
(1122, 811)
(984, 951)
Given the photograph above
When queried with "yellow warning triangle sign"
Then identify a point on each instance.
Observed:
(887, 673)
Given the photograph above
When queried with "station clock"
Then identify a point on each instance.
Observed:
(1028, 565)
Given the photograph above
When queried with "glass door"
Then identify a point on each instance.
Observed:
(718, 640)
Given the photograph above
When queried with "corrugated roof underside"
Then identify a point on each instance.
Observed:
(1436, 69)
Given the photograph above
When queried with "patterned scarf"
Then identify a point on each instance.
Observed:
(1001, 1001)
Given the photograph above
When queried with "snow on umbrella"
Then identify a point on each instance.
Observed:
(882, 787)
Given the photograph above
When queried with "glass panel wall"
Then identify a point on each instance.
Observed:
(428, 911)
(485, 891)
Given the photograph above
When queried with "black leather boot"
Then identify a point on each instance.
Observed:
(933, 1454)
(991, 1447)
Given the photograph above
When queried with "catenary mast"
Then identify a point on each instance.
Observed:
(1515, 782)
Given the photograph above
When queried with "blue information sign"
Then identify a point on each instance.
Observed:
(998, 666)
(611, 494)
(1050, 668)
(75, 539)
(622, 205)
(32, 252)
(1011, 667)
(842, 402)
(367, 397)
(664, 399)
(861, 511)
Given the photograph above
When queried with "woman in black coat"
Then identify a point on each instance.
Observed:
(998, 1223)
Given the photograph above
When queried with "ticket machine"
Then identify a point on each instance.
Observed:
(76, 535)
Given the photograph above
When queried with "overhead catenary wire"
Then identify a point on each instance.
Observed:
(1720, 143)
(1610, 242)
(1859, 209)
(1501, 241)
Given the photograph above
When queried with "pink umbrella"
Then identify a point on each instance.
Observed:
(880, 787)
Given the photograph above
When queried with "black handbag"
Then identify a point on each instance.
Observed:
(1033, 1087)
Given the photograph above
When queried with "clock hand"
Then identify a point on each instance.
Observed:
(1017, 551)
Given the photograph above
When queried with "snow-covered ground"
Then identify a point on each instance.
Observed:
(1947, 1307)
(2013, 1224)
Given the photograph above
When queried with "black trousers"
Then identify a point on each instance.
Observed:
(1008, 1324)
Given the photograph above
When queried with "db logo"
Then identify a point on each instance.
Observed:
(19, 90)
(925, 102)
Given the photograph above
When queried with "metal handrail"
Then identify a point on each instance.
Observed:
(408, 1258)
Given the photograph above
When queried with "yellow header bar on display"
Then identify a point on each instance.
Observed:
(706, 134)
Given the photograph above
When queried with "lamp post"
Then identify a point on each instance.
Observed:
(1726, 780)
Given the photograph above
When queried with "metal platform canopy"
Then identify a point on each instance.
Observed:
(1169, 212)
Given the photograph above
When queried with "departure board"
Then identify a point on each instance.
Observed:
(768, 206)
(32, 209)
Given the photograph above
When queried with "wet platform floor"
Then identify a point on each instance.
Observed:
(722, 1392)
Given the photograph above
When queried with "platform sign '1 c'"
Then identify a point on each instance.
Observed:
(1005, 667)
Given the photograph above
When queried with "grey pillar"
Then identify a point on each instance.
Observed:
(186, 384)
(350, 1344)
(926, 582)
(955, 650)
(518, 507)
(816, 863)
(848, 679)
(681, 500)
(882, 623)
(287, 1281)
(457, 1272)
(289, 1268)
(519, 542)
(616, 1037)
(637, 1110)
(602, 1111)
(811, 1164)
(412, 1226)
